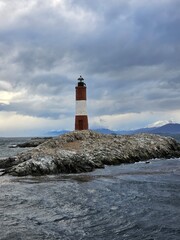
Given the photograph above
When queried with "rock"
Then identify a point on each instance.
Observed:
(83, 151)
(7, 162)
(12, 146)
(34, 142)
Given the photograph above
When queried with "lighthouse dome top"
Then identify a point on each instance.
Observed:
(81, 83)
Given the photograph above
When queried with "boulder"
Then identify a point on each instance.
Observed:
(34, 142)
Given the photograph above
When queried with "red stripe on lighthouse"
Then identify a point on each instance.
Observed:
(81, 122)
(80, 93)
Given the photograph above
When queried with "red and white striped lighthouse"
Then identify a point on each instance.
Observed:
(81, 118)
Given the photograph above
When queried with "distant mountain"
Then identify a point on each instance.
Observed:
(143, 130)
(167, 129)
(60, 132)
(56, 132)
(104, 131)
(160, 123)
(170, 128)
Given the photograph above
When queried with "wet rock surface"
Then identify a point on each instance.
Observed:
(83, 151)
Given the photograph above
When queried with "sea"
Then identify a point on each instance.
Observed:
(139, 201)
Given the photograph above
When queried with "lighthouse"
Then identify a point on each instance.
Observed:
(81, 118)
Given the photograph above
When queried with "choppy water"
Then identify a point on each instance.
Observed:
(135, 201)
(6, 143)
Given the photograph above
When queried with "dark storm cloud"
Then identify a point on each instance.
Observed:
(127, 51)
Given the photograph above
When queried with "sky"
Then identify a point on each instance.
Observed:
(128, 52)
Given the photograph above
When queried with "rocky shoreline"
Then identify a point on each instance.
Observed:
(34, 142)
(84, 151)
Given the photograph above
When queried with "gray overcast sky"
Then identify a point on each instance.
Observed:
(128, 52)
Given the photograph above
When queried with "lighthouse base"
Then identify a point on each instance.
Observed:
(81, 122)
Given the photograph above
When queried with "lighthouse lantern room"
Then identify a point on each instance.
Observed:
(81, 118)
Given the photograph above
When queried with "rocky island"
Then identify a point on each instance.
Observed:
(83, 151)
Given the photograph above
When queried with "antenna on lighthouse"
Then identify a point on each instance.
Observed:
(81, 78)
(81, 118)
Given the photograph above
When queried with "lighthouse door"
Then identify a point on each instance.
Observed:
(80, 124)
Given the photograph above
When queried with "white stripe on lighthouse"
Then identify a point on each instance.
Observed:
(81, 107)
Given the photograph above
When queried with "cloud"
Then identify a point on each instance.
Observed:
(17, 125)
(127, 51)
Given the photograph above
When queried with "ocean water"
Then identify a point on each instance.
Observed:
(6, 145)
(133, 201)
